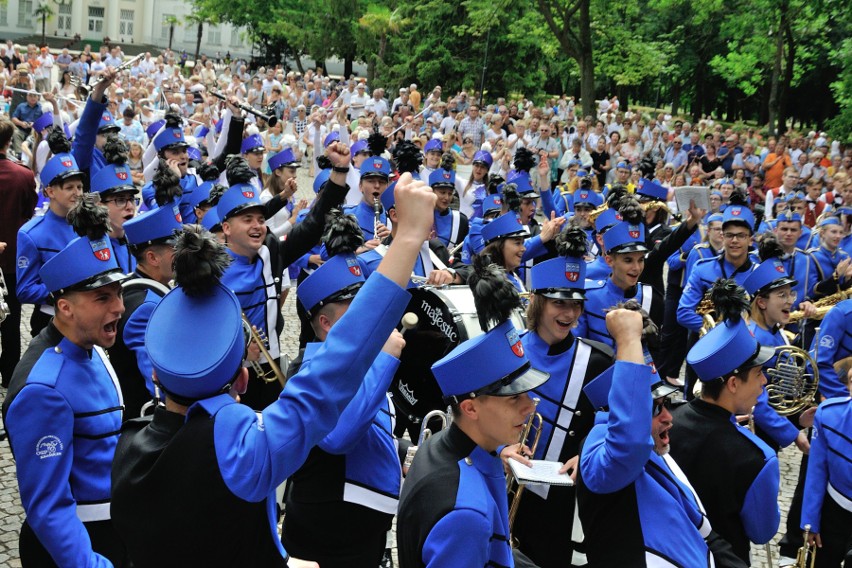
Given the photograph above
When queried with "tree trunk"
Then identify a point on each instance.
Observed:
(774, 84)
(43, 29)
(198, 43)
(784, 95)
(347, 65)
(171, 35)
(586, 61)
(675, 94)
(298, 60)
(698, 102)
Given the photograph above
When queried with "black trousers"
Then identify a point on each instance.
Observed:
(673, 336)
(105, 541)
(836, 534)
(38, 321)
(10, 332)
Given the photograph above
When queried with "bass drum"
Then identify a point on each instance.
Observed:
(447, 316)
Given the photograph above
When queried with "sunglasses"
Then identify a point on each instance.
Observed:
(660, 404)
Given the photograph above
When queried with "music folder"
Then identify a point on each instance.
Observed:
(541, 473)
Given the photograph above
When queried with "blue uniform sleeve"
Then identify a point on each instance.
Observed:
(29, 288)
(676, 261)
(459, 539)
(615, 453)
(547, 203)
(831, 334)
(777, 427)
(40, 423)
(358, 416)
(816, 480)
(87, 131)
(760, 514)
(693, 292)
(693, 257)
(149, 195)
(257, 454)
(535, 248)
(134, 338)
(582, 327)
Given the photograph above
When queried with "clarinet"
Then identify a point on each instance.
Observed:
(377, 208)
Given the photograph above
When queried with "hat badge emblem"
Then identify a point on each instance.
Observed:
(618, 217)
(633, 231)
(121, 175)
(446, 175)
(100, 249)
(498, 201)
(779, 267)
(248, 194)
(515, 342)
(176, 211)
(107, 118)
(736, 211)
(67, 163)
(377, 164)
(177, 134)
(354, 267)
(572, 271)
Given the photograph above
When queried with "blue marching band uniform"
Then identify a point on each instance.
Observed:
(340, 454)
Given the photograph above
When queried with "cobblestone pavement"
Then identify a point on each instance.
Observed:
(11, 513)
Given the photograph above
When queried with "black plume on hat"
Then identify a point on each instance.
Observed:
(89, 218)
(730, 299)
(630, 209)
(173, 120)
(448, 161)
(377, 142)
(511, 197)
(572, 242)
(650, 331)
(237, 170)
(616, 193)
(115, 150)
(342, 234)
(738, 197)
(524, 160)
(407, 156)
(57, 142)
(166, 184)
(769, 247)
(208, 172)
(493, 295)
(216, 193)
(200, 260)
(494, 181)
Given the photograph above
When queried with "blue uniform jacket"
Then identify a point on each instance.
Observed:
(833, 343)
(480, 191)
(623, 482)
(39, 240)
(600, 297)
(800, 265)
(257, 452)
(187, 183)
(126, 261)
(825, 262)
(829, 463)
(366, 216)
(700, 279)
(63, 416)
(451, 227)
(598, 269)
(89, 159)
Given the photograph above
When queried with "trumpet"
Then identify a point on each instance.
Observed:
(269, 119)
(4, 292)
(806, 557)
(425, 434)
(260, 339)
(514, 488)
(86, 90)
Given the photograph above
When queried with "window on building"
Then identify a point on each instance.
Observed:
(3, 15)
(190, 32)
(125, 23)
(96, 20)
(214, 35)
(63, 21)
(236, 41)
(164, 31)
(25, 13)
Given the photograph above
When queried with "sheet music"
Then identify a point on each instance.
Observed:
(542, 472)
(697, 193)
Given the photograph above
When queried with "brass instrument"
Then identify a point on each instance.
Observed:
(259, 338)
(85, 90)
(707, 311)
(425, 434)
(515, 489)
(790, 387)
(269, 119)
(806, 557)
(4, 291)
(822, 306)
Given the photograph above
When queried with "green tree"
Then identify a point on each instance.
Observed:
(171, 21)
(45, 12)
(379, 22)
(200, 17)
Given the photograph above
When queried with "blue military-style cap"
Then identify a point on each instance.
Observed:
(434, 145)
(200, 194)
(597, 390)
(504, 369)
(107, 123)
(726, 349)
(442, 178)
(284, 158)
(84, 264)
(375, 166)
(525, 187)
(652, 190)
(253, 143)
(715, 217)
(829, 221)
(155, 226)
(211, 220)
(560, 278)
(608, 218)
(193, 153)
(492, 203)
(739, 214)
(623, 166)
(483, 157)
(332, 137)
(205, 362)
(504, 226)
(625, 237)
(113, 178)
(358, 147)
(154, 127)
(238, 198)
(320, 179)
(769, 275)
(338, 279)
(788, 216)
(59, 168)
(43, 122)
(170, 138)
(588, 197)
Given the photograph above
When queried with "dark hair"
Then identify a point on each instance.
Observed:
(495, 251)
(128, 113)
(7, 130)
(713, 389)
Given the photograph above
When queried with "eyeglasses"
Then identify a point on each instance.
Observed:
(119, 201)
(715, 229)
(660, 404)
(784, 296)
(736, 236)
